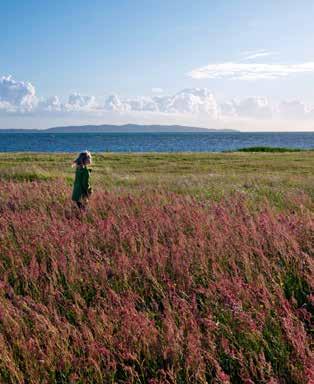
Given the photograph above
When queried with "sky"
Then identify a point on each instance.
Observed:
(239, 64)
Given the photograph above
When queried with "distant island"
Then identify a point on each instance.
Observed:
(126, 128)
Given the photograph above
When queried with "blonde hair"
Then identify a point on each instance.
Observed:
(81, 160)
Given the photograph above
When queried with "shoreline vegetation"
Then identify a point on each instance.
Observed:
(272, 149)
(186, 268)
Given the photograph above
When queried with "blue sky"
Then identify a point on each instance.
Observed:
(171, 54)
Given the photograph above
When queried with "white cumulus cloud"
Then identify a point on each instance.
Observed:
(142, 104)
(75, 103)
(114, 104)
(78, 102)
(193, 100)
(51, 104)
(16, 95)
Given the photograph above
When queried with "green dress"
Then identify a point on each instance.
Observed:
(81, 187)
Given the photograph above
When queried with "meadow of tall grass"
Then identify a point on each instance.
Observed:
(153, 287)
(258, 175)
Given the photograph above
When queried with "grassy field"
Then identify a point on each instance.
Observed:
(186, 268)
(258, 175)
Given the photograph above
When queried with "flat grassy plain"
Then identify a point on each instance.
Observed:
(186, 268)
(258, 175)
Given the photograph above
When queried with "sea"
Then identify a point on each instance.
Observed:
(151, 142)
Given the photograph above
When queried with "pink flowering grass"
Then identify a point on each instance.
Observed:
(153, 288)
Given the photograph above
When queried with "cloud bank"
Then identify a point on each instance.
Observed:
(197, 106)
(187, 101)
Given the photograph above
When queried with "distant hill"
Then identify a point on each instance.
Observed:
(127, 128)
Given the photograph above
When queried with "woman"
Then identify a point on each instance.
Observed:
(82, 188)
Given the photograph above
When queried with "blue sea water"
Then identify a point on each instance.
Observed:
(151, 142)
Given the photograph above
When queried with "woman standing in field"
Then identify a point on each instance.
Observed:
(82, 188)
